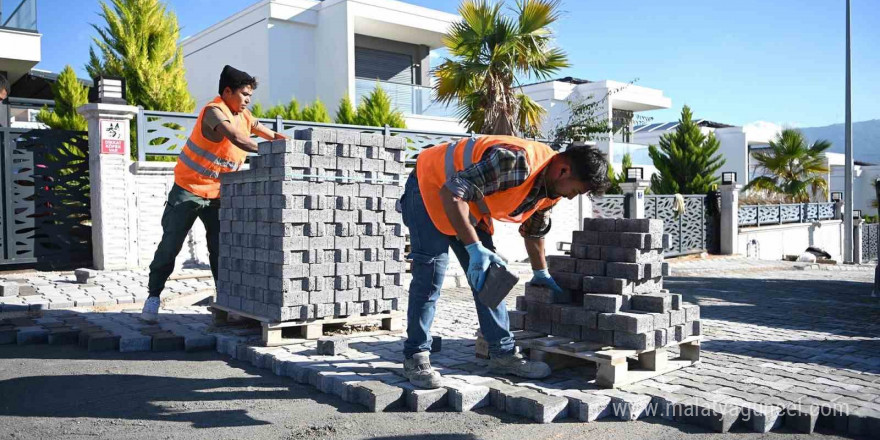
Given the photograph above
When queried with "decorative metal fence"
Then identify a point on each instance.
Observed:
(609, 206)
(758, 215)
(688, 230)
(693, 231)
(165, 133)
(870, 241)
(46, 217)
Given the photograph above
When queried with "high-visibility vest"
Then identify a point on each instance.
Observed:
(438, 164)
(202, 161)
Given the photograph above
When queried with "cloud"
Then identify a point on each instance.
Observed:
(764, 129)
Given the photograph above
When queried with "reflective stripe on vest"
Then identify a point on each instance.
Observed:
(449, 166)
(186, 160)
(211, 157)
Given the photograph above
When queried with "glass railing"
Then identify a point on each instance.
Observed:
(638, 152)
(24, 16)
(410, 99)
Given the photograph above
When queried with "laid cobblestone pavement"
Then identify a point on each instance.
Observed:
(775, 338)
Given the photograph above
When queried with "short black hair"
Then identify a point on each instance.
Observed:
(588, 165)
(4, 84)
(235, 79)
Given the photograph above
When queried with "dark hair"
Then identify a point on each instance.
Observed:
(589, 166)
(4, 84)
(235, 83)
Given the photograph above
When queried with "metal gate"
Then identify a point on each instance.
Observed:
(870, 241)
(45, 212)
(689, 232)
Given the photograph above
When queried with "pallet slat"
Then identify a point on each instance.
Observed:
(310, 329)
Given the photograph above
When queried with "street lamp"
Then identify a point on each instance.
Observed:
(634, 174)
(108, 90)
(728, 177)
(836, 196)
(857, 213)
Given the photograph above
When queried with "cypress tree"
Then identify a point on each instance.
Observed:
(69, 94)
(686, 160)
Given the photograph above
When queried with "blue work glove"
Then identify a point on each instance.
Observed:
(480, 258)
(542, 277)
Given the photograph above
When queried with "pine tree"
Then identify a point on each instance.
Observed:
(258, 111)
(686, 160)
(139, 44)
(617, 178)
(316, 112)
(69, 95)
(346, 113)
(375, 110)
(291, 111)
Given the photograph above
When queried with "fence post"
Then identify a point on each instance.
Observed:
(858, 230)
(279, 124)
(838, 210)
(142, 135)
(635, 197)
(730, 218)
(113, 243)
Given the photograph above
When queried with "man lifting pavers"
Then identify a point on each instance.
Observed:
(219, 143)
(450, 200)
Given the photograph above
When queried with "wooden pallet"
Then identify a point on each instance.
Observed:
(612, 364)
(278, 333)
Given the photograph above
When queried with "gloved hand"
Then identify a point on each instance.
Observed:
(542, 277)
(480, 258)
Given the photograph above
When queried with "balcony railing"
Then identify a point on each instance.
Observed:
(24, 16)
(407, 98)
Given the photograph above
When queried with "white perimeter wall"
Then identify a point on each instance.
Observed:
(792, 239)
(151, 192)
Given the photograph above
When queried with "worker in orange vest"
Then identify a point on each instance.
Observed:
(219, 143)
(450, 200)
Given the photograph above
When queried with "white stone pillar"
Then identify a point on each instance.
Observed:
(857, 240)
(730, 218)
(113, 246)
(636, 192)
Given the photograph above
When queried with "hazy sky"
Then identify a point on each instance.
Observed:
(733, 61)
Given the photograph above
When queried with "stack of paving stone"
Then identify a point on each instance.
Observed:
(312, 229)
(613, 290)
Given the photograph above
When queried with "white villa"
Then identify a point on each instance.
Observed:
(312, 49)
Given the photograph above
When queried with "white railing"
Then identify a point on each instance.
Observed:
(410, 99)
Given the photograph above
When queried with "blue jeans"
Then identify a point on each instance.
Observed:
(430, 256)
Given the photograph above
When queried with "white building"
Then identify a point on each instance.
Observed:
(312, 49)
(624, 101)
(736, 143)
(20, 48)
(864, 176)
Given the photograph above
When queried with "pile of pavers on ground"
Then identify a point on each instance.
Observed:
(312, 229)
(613, 290)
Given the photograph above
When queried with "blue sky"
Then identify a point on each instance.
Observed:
(732, 61)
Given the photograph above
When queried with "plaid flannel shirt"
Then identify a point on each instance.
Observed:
(501, 168)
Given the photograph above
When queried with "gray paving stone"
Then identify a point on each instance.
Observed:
(378, 396)
(467, 397)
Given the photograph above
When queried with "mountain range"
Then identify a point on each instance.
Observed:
(866, 139)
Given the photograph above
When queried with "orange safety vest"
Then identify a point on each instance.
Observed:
(438, 164)
(202, 161)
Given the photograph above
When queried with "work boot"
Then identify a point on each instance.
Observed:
(419, 371)
(514, 363)
(150, 313)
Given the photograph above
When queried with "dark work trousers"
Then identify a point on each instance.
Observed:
(181, 211)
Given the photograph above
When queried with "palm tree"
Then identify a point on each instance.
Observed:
(490, 53)
(792, 167)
